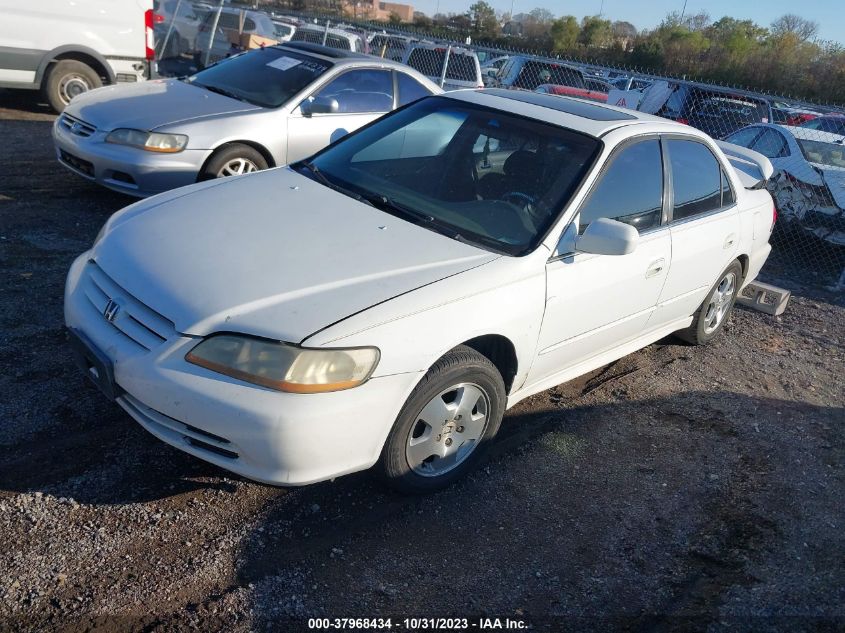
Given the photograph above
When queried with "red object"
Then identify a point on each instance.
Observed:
(569, 91)
(149, 35)
(774, 217)
(799, 118)
(682, 120)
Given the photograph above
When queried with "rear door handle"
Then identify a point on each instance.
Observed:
(729, 241)
(655, 268)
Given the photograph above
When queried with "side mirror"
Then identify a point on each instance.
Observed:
(320, 105)
(608, 237)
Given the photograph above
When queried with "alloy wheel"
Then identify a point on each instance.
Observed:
(448, 429)
(720, 303)
(236, 167)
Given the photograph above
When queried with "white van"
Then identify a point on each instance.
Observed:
(67, 47)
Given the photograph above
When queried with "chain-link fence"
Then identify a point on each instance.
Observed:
(804, 141)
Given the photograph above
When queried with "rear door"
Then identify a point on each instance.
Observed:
(703, 224)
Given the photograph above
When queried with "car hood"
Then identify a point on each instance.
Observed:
(272, 254)
(151, 104)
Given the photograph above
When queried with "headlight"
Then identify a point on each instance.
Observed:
(150, 141)
(100, 234)
(285, 367)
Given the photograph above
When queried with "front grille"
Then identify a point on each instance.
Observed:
(139, 323)
(86, 167)
(76, 126)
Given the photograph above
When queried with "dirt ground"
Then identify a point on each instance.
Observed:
(680, 488)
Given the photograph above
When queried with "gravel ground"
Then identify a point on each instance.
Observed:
(679, 488)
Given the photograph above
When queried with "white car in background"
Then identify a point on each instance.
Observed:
(809, 186)
(385, 301)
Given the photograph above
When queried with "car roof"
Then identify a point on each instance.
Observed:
(573, 113)
(334, 54)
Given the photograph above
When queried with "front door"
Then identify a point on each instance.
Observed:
(362, 95)
(597, 302)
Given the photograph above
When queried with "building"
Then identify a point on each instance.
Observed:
(375, 10)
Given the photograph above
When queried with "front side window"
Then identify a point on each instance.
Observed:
(361, 91)
(630, 190)
(696, 179)
(425, 164)
(267, 77)
(429, 61)
(744, 137)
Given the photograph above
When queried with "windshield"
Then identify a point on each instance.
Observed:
(821, 153)
(266, 77)
(479, 175)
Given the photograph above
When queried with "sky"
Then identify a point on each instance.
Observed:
(646, 14)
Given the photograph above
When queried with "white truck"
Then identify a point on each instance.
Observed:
(65, 48)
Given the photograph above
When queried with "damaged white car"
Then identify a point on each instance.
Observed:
(384, 302)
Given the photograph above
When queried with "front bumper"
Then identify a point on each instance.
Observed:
(273, 437)
(125, 169)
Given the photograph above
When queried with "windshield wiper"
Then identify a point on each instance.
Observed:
(323, 180)
(222, 91)
(385, 203)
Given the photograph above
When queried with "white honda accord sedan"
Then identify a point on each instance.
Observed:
(383, 303)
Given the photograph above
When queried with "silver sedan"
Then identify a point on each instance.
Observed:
(256, 110)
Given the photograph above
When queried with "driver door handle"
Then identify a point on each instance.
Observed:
(655, 268)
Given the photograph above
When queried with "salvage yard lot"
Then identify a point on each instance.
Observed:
(678, 488)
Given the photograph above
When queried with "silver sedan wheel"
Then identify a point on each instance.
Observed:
(448, 429)
(720, 303)
(71, 85)
(236, 167)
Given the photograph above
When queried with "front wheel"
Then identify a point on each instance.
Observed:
(233, 160)
(442, 430)
(714, 312)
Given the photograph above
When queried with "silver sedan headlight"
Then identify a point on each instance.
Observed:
(285, 367)
(149, 141)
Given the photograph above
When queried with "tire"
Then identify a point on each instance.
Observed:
(716, 309)
(66, 79)
(226, 159)
(463, 386)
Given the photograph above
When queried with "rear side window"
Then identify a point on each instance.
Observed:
(696, 179)
(771, 144)
(410, 89)
(728, 197)
(631, 189)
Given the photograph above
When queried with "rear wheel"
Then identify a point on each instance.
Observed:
(445, 424)
(66, 79)
(233, 160)
(714, 312)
